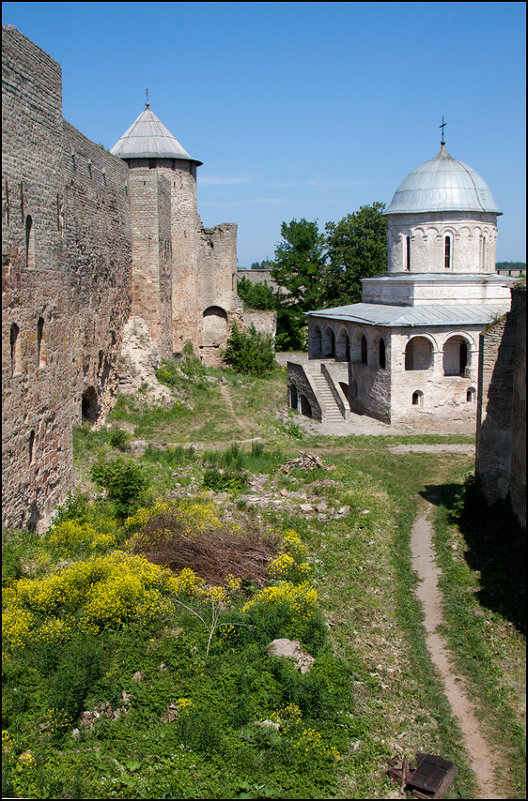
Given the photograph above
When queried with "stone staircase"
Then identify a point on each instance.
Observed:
(331, 412)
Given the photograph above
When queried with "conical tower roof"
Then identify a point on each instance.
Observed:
(147, 137)
(442, 184)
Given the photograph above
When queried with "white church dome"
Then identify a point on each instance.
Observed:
(442, 184)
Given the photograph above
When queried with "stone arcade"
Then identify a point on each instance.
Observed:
(409, 350)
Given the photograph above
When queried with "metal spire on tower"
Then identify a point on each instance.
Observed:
(442, 142)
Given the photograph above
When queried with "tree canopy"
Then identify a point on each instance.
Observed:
(319, 270)
(356, 248)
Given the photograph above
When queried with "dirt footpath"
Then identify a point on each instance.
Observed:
(428, 593)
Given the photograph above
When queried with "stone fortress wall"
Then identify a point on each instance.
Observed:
(501, 408)
(89, 243)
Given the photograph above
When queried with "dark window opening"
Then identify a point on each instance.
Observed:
(90, 406)
(417, 398)
(31, 447)
(30, 243)
(470, 395)
(408, 252)
(16, 353)
(447, 252)
(364, 351)
(42, 357)
(382, 357)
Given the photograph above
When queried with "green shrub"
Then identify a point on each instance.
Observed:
(249, 351)
(77, 670)
(124, 481)
(76, 507)
(119, 438)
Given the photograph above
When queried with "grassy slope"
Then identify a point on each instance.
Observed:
(362, 573)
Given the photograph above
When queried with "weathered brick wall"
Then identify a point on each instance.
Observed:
(518, 460)
(64, 281)
(501, 415)
(36, 405)
(494, 408)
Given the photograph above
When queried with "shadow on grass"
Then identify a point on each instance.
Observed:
(496, 546)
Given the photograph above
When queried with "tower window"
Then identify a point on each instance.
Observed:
(31, 447)
(484, 252)
(42, 358)
(30, 243)
(408, 252)
(447, 253)
(16, 351)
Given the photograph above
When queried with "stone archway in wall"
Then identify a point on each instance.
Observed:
(419, 354)
(329, 343)
(214, 327)
(456, 355)
(317, 342)
(343, 346)
(89, 406)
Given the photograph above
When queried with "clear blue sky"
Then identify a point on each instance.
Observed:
(301, 109)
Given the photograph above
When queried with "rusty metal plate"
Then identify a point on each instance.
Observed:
(430, 772)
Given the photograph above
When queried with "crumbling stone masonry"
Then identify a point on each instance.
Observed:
(89, 241)
(501, 408)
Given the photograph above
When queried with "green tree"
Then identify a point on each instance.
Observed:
(249, 351)
(257, 296)
(356, 248)
(299, 262)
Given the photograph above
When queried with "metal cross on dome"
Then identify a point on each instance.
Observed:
(147, 103)
(442, 127)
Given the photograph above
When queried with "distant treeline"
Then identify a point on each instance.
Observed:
(511, 265)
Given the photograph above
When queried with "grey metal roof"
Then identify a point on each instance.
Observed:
(412, 316)
(147, 137)
(442, 184)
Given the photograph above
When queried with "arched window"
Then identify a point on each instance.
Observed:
(343, 347)
(484, 254)
(30, 244)
(317, 341)
(447, 252)
(16, 350)
(329, 343)
(418, 354)
(42, 356)
(417, 398)
(455, 356)
(364, 350)
(294, 399)
(408, 252)
(382, 356)
(470, 395)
